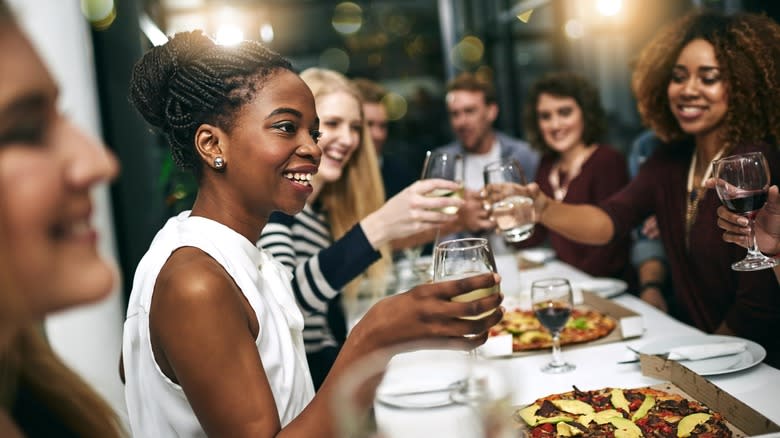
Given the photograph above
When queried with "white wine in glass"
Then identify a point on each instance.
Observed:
(444, 165)
(456, 259)
(512, 211)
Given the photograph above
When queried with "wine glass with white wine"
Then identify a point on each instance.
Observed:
(512, 211)
(461, 258)
(444, 165)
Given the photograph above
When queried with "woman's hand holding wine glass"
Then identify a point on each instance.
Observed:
(742, 182)
(552, 302)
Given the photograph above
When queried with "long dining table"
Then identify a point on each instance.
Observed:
(597, 365)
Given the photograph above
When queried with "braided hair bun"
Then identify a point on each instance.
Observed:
(191, 80)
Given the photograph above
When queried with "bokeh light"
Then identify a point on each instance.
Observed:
(468, 52)
(609, 8)
(347, 18)
(229, 35)
(396, 105)
(267, 33)
(574, 29)
(335, 59)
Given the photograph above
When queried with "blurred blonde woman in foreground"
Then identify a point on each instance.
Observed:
(48, 255)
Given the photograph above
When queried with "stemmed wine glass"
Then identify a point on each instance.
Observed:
(552, 303)
(460, 258)
(444, 165)
(742, 182)
(512, 211)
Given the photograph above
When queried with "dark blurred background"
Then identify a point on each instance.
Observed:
(411, 46)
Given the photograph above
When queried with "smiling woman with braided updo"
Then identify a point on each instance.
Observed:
(213, 337)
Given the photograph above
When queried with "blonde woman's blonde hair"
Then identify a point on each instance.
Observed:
(360, 190)
(26, 359)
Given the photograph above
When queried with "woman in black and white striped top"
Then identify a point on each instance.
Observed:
(345, 228)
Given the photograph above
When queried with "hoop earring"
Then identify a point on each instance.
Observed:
(219, 163)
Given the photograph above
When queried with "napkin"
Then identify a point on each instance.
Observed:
(706, 351)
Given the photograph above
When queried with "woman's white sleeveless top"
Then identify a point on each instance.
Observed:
(156, 406)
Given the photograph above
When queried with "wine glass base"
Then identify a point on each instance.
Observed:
(559, 368)
(757, 263)
(515, 236)
(470, 391)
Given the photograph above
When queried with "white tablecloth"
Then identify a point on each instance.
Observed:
(597, 367)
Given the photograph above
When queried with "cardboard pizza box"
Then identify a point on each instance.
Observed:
(744, 420)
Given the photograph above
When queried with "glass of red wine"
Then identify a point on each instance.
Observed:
(552, 303)
(742, 182)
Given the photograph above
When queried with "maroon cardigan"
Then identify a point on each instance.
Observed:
(706, 290)
(602, 175)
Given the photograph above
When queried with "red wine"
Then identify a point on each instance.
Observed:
(553, 317)
(745, 204)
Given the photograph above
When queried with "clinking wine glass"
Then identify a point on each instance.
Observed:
(742, 182)
(512, 211)
(444, 165)
(552, 302)
(461, 258)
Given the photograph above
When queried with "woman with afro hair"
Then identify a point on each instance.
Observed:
(708, 85)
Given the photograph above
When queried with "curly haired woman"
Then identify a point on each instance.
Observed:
(708, 85)
(564, 120)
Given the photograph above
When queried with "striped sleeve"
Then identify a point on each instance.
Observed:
(320, 268)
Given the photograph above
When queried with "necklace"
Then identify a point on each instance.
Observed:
(694, 195)
(560, 179)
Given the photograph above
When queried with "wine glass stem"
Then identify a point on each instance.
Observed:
(753, 248)
(556, 350)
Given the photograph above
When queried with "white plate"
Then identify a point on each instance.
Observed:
(752, 356)
(423, 379)
(604, 287)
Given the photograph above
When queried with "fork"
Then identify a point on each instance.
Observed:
(663, 356)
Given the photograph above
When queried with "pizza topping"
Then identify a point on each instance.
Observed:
(619, 400)
(547, 409)
(625, 428)
(679, 407)
(528, 414)
(689, 423)
(656, 426)
(569, 429)
(603, 417)
(644, 408)
(578, 323)
(573, 406)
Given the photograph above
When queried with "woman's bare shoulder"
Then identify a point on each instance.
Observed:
(190, 277)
